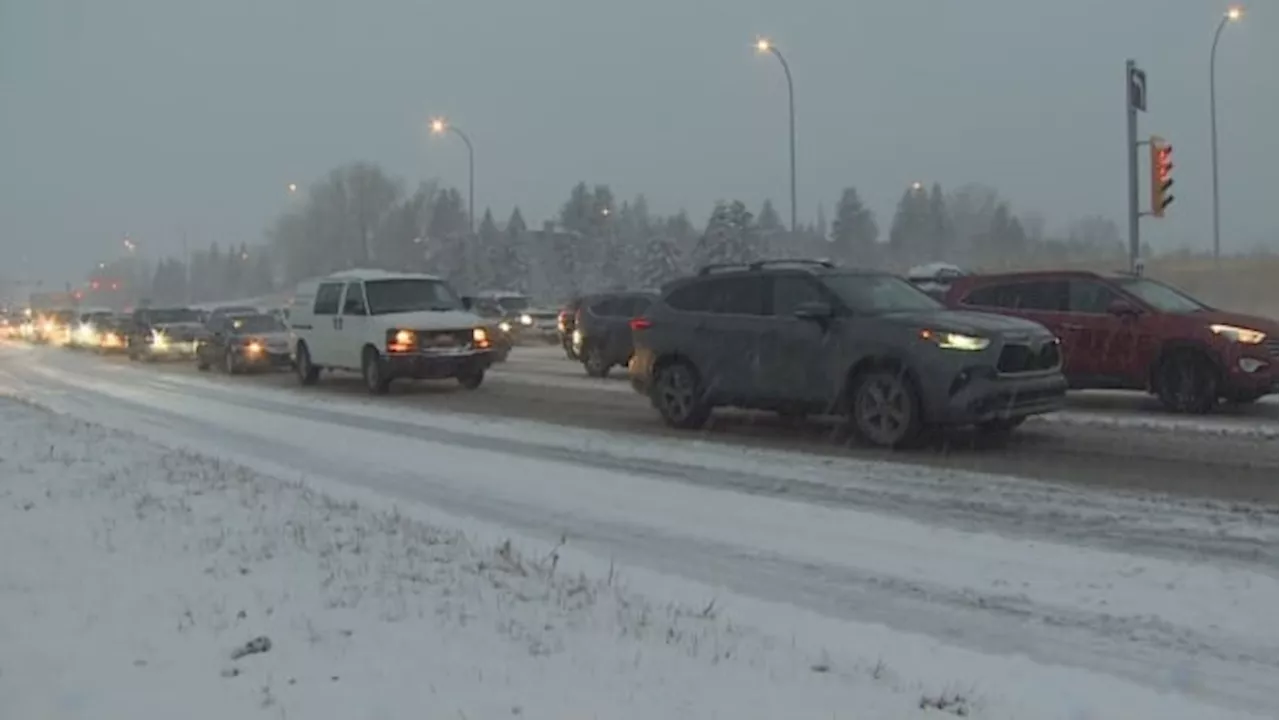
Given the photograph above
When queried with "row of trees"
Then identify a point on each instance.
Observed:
(358, 216)
(206, 276)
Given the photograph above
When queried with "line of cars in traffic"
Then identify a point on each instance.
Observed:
(798, 337)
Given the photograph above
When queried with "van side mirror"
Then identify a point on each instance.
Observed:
(813, 311)
(1122, 308)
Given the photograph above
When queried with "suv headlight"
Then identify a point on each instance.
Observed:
(1238, 334)
(955, 341)
(526, 319)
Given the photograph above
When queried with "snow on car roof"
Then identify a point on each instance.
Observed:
(375, 274)
(930, 271)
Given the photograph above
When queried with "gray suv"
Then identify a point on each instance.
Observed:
(799, 337)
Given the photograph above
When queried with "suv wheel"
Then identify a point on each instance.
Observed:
(308, 374)
(885, 409)
(677, 394)
(1187, 383)
(471, 379)
(594, 363)
(229, 362)
(375, 376)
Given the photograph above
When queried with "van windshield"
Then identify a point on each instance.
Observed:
(410, 295)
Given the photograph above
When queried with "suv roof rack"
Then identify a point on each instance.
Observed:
(762, 264)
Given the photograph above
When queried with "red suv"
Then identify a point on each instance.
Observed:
(1129, 332)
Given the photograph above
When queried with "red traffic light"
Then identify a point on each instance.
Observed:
(1161, 175)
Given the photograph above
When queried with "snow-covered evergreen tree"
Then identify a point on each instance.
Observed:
(854, 232)
(730, 236)
(659, 263)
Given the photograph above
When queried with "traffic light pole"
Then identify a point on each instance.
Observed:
(1131, 148)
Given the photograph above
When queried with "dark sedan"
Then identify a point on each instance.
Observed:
(237, 343)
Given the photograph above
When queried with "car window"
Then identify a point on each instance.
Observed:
(1046, 296)
(738, 295)
(606, 307)
(353, 302)
(879, 293)
(327, 297)
(694, 297)
(1089, 296)
(257, 324)
(792, 291)
(637, 306)
(1161, 296)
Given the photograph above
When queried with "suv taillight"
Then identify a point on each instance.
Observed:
(641, 323)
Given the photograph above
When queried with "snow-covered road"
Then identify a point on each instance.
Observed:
(1138, 600)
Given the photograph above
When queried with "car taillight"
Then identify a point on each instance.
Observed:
(641, 323)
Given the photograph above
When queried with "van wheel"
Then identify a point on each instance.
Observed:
(308, 374)
(1186, 382)
(678, 396)
(375, 376)
(594, 363)
(884, 409)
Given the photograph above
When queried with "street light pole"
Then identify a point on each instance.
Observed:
(440, 126)
(763, 45)
(1230, 15)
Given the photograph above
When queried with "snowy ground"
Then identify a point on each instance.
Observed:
(132, 575)
(853, 589)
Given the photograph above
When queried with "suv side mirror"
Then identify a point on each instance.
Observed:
(814, 311)
(1122, 308)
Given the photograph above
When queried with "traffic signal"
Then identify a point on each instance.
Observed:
(1161, 175)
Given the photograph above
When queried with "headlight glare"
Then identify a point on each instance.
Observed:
(1235, 333)
(956, 341)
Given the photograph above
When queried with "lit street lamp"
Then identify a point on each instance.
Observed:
(763, 45)
(293, 188)
(440, 126)
(1232, 14)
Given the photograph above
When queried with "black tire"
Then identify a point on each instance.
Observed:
(884, 409)
(229, 365)
(678, 396)
(595, 363)
(201, 363)
(308, 374)
(1187, 382)
(374, 373)
(1003, 426)
(568, 350)
(471, 379)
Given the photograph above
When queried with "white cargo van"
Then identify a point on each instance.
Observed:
(386, 325)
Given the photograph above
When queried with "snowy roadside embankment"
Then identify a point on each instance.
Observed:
(132, 575)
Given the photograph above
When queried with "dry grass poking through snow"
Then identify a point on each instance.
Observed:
(139, 582)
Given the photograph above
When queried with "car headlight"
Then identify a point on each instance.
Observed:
(159, 339)
(480, 336)
(956, 341)
(526, 319)
(253, 348)
(1238, 334)
(504, 326)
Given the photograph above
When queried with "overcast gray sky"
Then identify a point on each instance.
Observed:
(149, 116)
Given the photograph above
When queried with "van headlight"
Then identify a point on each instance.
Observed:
(955, 341)
(401, 340)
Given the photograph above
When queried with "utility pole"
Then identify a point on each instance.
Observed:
(1135, 81)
